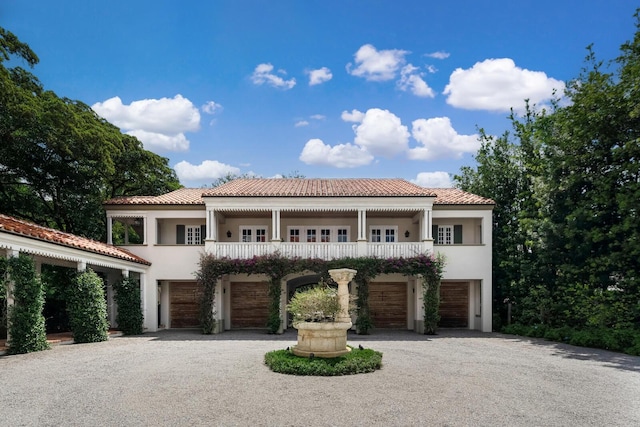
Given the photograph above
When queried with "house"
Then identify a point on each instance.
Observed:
(48, 246)
(318, 218)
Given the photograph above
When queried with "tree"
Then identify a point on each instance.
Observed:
(59, 160)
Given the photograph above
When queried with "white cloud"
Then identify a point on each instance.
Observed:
(438, 55)
(432, 69)
(301, 123)
(381, 133)
(263, 74)
(319, 76)
(318, 117)
(207, 170)
(376, 65)
(158, 123)
(411, 79)
(499, 85)
(316, 152)
(433, 180)
(354, 116)
(440, 140)
(211, 107)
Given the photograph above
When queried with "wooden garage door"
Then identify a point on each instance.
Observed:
(185, 304)
(388, 304)
(249, 304)
(454, 304)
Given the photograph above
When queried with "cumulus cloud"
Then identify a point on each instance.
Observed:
(263, 74)
(381, 133)
(316, 152)
(439, 139)
(159, 123)
(319, 76)
(499, 85)
(211, 107)
(411, 80)
(438, 55)
(301, 123)
(376, 65)
(354, 116)
(206, 171)
(433, 180)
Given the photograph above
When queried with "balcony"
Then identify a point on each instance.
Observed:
(326, 251)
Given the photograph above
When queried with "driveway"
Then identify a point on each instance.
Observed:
(457, 378)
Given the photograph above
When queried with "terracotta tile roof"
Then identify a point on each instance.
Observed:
(182, 196)
(23, 228)
(454, 196)
(299, 187)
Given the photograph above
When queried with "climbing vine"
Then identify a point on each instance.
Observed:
(276, 267)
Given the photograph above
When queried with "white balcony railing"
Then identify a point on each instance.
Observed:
(325, 251)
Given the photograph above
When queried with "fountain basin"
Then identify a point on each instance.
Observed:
(322, 339)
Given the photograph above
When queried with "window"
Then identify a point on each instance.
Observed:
(342, 235)
(253, 234)
(385, 234)
(190, 234)
(193, 235)
(311, 235)
(294, 235)
(325, 235)
(447, 234)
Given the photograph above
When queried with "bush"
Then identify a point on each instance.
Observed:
(431, 298)
(26, 322)
(355, 362)
(318, 304)
(127, 295)
(88, 308)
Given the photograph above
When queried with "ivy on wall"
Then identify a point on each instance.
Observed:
(277, 267)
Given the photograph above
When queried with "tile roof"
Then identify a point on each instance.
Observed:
(301, 187)
(23, 228)
(181, 196)
(455, 196)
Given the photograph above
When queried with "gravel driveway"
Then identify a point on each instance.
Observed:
(457, 378)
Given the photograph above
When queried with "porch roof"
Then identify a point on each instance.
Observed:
(15, 226)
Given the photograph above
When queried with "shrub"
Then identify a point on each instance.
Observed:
(431, 298)
(26, 322)
(127, 295)
(317, 304)
(355, 362)
(87, 308)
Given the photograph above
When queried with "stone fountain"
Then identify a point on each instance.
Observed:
(328, 339)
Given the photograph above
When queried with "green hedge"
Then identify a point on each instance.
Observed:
(357, 361)
(87, 308)
(127, 295)
(26, 322)
(625, 340)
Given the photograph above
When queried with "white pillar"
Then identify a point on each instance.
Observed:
(212, 225)
(342, 276)
(81, 266)
(110, 230)
(362, 224)
(145, 231)
(275, 225)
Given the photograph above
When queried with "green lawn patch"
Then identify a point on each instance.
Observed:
(357, 361)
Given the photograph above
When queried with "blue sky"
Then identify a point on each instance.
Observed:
(325, 88)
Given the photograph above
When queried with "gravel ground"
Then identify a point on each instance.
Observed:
(457, 378)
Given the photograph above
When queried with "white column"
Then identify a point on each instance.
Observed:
(275, 225)
(145, 232)
(212, 225)
(362, 224)
(81, 266)
(342, 276)
(110, 230)
(419, 307)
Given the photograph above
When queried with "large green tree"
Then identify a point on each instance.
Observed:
(58, 159)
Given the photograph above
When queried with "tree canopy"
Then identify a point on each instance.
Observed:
(566, 181)
(58, 159)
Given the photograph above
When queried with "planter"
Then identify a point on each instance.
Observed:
(322, 339)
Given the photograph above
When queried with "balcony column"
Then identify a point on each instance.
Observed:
(275, 225)
(362, 225)
(110, 230)
(425, 225)
(212, 225)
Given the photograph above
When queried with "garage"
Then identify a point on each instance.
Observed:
(185, 304)
(388, 304)
(249, 304)
(454, 305)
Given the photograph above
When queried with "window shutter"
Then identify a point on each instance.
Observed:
(457, 234)
(203, 233)
(434, 232)
(180, 234)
